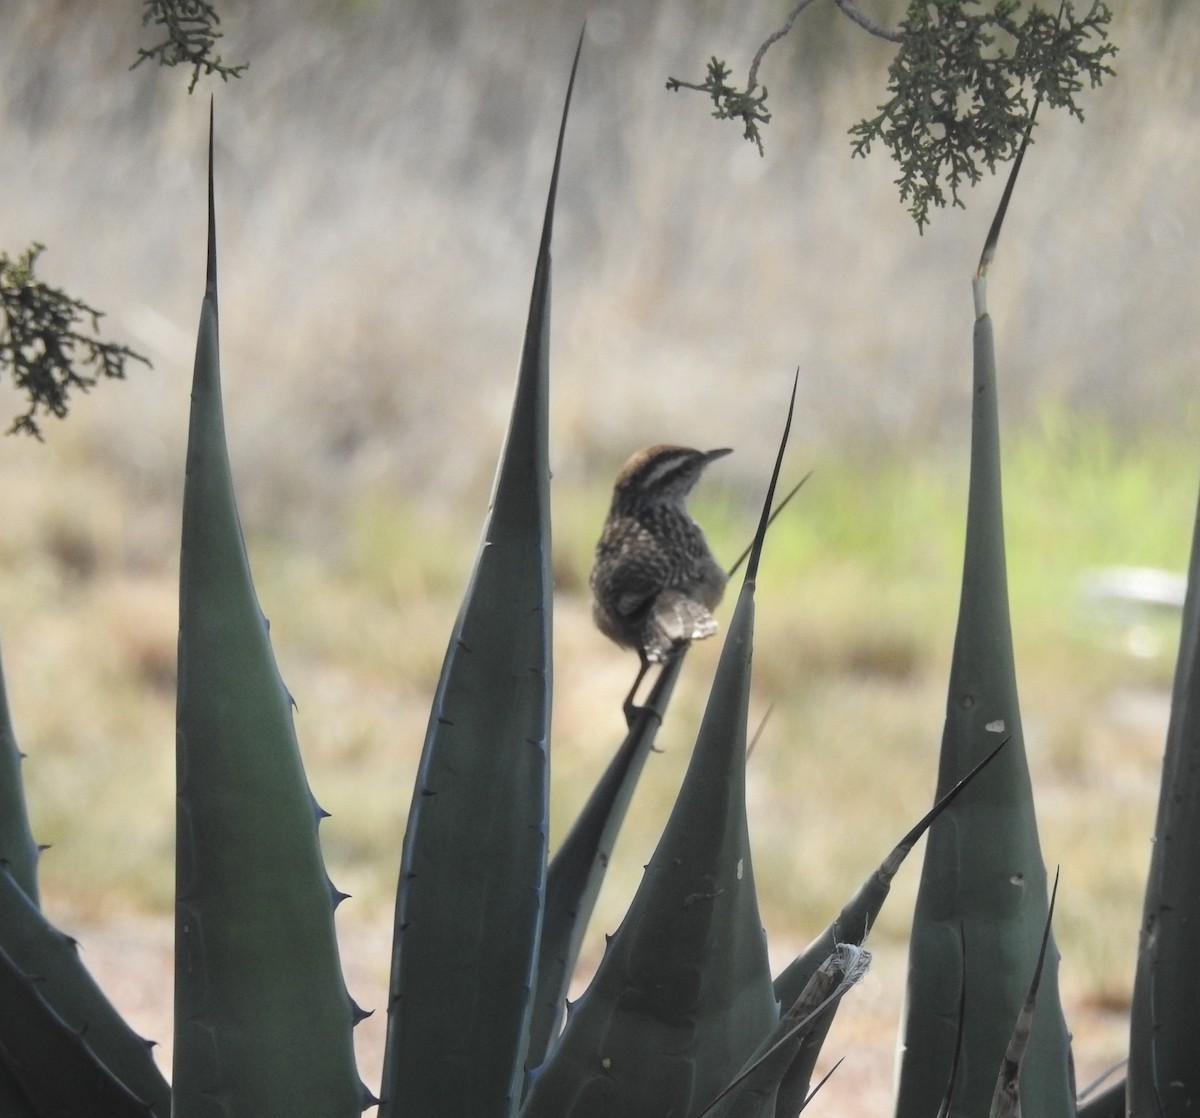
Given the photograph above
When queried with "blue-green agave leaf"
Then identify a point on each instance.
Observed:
(859, 914)
(852, 925)
(1006, 1101)
(473, 870)
(14, 1103)
(1164, 1046)
(49, 1070)
(983, 875)
(578, 867)
(39, 949)
(262, 1017)
(682, 997)
(794, 1044)
(18, 851)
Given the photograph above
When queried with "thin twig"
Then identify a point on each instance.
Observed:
(774, 37)
(1099, 1082)
(778, 509)
(867, 23)
(762, 725)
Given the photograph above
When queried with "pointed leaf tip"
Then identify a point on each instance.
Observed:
(926, 820)
(1006, 1101)
(1037, 974)
(548, 225)
(765, 518)
(824, 1079)
(210, 281)
(989, 246)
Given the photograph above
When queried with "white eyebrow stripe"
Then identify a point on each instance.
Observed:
(665, 468)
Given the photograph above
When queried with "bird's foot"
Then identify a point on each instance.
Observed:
(633, 712)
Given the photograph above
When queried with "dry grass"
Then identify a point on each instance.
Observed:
(381, 175)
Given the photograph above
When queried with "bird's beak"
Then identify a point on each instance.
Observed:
(720, 452)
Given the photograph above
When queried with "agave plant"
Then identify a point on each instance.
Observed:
(682, 1016)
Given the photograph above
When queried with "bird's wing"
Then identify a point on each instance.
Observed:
(632, 589)
(635, 569)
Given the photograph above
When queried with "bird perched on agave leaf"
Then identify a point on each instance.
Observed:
(655, 581)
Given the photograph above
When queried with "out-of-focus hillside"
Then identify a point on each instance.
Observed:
(381, 173)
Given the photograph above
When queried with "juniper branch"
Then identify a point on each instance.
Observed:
(49, 342)
(191, 33)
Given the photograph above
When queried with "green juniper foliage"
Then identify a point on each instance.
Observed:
(732, 103)
(964, 83)
(191, 33)
(44, 344)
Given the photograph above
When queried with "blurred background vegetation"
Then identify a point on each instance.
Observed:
(381, 172)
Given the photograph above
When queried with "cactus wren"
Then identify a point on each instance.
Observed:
(655, 581)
